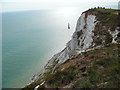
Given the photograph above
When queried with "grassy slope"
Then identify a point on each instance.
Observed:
(103, 70)
(98, 68)
(108, 17)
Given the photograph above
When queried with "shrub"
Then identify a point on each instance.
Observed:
(60, 77)
(93, 75)
(82, 83)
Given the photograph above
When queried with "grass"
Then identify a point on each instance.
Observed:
(111, 11)
(60, 77)
(107, 77)
(110, 49)
(50, 68)
(102, 72)
(83, 83)
(109, 20)
(93, 75)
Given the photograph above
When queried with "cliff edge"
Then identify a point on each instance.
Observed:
(91, 57)
(95, 27)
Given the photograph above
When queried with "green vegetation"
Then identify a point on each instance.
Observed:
(50, 68)
(59, 78)
(82, 83)
(93, 75)
(32, 85)
(110, 11)
(103, 72)
(108, 49)
(109, 20)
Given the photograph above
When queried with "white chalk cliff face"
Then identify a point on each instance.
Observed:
(81, 39)
(85, 37)
(114, 35)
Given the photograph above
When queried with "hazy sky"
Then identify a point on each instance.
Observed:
(20, 5)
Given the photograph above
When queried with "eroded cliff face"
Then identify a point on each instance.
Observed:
(81, 39)
(97, 37)
(94, 28)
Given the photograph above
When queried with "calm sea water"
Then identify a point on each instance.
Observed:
(0, 50)
(30, 39)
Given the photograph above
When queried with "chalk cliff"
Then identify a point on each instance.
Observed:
(94, 28)
(95, 42)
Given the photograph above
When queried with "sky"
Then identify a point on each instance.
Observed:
(21, 5)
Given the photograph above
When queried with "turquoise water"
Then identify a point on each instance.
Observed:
(30, 38)
(0, 50)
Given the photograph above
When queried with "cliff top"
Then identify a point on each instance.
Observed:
(103, 11)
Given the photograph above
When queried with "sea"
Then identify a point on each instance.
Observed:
(30, 39)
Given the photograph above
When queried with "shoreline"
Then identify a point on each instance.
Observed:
(43, 70)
